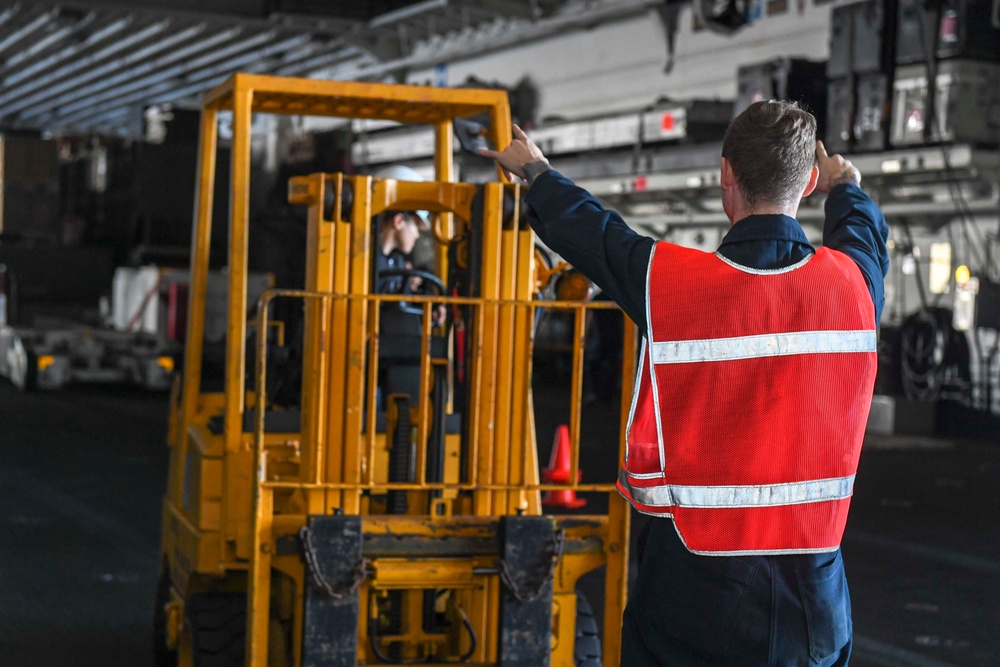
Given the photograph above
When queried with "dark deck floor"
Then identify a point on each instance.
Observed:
(82, 472)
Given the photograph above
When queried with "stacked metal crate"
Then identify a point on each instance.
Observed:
(860, 76)
(793, 79)
(959, 42)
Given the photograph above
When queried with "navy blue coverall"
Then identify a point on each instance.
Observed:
(687, 609)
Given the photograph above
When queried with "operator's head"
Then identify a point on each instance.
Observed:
(768, 159)
(399, 230)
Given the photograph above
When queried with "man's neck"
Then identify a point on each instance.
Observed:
(387, 244)
(741, 212)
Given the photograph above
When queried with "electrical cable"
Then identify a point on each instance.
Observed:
(934, 356)
(934, 121)
(916, 264)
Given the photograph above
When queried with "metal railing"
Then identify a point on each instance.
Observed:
(427, 303)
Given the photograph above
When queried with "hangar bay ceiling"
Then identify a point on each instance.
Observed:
(81, 66)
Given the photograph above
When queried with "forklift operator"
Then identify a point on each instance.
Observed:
(755, 382)
(398, 233)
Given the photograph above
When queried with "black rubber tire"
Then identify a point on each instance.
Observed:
(587, 647)
(218, 629)
(29, 382)
(162, 656)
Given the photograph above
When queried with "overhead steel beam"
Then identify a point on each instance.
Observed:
(405, 13)
(114, 95)
(199, 8)
(528, 9)
(93, 70)
(227, 67)
(8, 14)
(606, 10)
(86, 108)
(212, 11)
(135, 67)
(61, 73)
(191, 95)
(47, 41)
(286, 69)
(68, 52)
(25, 30)
(323, 60)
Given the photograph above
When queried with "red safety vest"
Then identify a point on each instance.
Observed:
(751, 400)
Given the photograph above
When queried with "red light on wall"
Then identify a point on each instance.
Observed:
(667, 122)
(639, 184)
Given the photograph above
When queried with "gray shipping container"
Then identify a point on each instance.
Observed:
(967, 107)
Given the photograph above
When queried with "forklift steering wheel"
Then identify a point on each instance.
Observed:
(428, 280)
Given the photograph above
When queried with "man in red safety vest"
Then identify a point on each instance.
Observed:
(749, 409)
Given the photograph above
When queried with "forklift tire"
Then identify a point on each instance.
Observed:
(162, 656)
(27, 378)
(587, 647)
(217, 624)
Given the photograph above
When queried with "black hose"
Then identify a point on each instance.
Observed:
(399, 457)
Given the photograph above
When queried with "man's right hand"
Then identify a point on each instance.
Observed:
(520, 152)
(834, 170)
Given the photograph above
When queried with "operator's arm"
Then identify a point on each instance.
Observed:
(854, 224)
(572, 222)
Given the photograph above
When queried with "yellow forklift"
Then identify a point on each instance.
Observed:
(392, 514)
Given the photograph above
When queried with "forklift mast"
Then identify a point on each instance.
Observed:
(393, 514)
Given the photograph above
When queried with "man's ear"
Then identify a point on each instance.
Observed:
(730, 191)
(728, 178)
(398, 221)
(813, 180)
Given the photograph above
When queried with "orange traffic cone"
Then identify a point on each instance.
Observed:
(558, 473)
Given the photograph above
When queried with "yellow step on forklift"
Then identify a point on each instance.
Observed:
(391, 513)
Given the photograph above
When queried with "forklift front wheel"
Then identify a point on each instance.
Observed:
(587, 647)
(214, 632)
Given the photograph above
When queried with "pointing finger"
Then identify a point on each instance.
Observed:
(519, 133)
(820, 150)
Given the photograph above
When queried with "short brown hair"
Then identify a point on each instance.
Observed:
(771, 148)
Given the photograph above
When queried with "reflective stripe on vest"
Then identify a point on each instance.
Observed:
(758, 495)
(766, 345)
